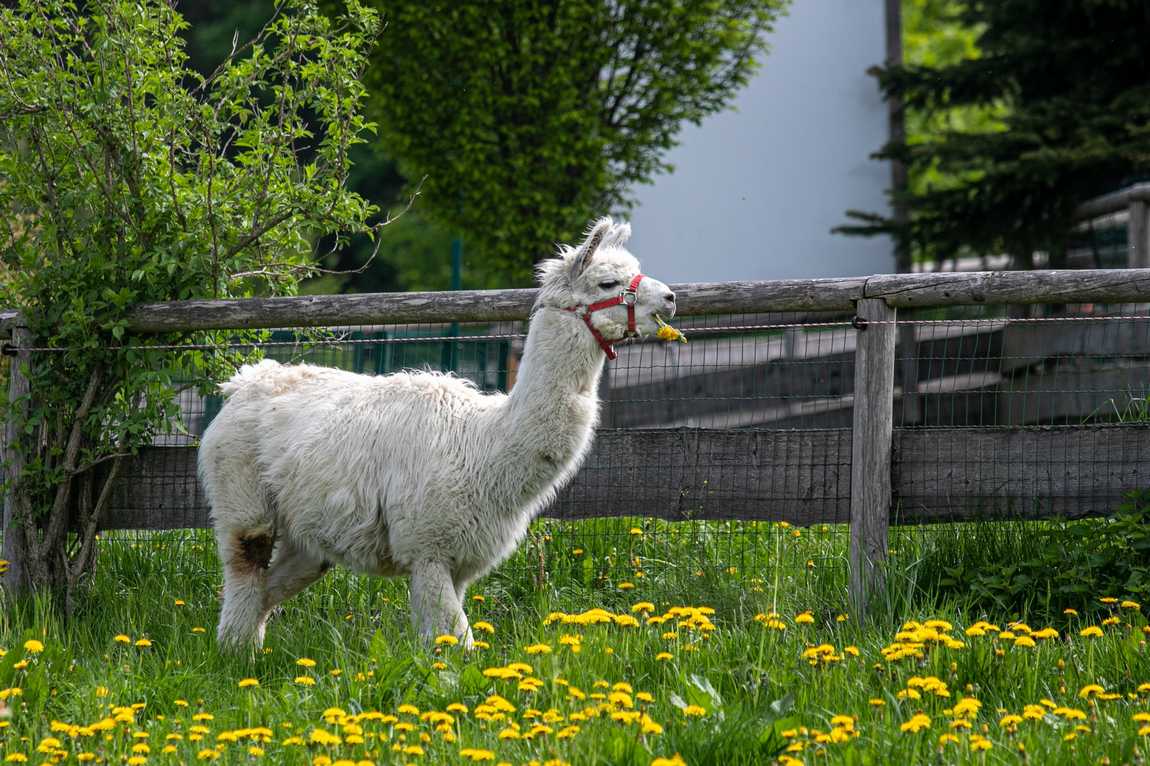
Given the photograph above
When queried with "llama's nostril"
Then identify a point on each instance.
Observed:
(670, 297)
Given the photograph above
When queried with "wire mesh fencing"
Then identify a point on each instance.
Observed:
(730, 457)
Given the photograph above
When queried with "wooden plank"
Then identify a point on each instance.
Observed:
(474, 305)
(949, 475)
(1138, 233)
(910, 409)
(701, 474)
(8, 320)
(899, 290)
(15, 551)
(1000, 287)
(938, 475)
(871, 450)
(1112, 203)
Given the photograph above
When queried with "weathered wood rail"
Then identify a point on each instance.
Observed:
(871, 474)
(897, 290)
(798, 476)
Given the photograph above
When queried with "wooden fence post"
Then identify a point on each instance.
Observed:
(908, 367)
(1138, 232)
(871, 450)
(15, 580)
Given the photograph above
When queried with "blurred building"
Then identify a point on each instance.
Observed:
(756, 190)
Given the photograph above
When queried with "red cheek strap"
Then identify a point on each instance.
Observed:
(629, 298)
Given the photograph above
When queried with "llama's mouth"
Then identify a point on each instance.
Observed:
(667, 332)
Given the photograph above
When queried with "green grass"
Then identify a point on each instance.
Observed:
(756, 692)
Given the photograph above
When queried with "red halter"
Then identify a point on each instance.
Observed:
(628, 297)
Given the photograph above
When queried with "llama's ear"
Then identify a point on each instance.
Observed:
(618, 235)
(586, 251)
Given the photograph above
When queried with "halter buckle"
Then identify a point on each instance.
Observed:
(630, 297)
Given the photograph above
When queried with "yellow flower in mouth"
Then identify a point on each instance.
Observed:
(667, 332)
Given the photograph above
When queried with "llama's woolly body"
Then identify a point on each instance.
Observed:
(349, 462)
(415, 473)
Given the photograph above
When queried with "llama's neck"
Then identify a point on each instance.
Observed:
(560, 370)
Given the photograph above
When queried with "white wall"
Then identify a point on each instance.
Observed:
(756, 191)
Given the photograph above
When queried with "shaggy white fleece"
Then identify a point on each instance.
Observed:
(416, 473)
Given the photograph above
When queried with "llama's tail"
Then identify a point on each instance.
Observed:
(248, 375)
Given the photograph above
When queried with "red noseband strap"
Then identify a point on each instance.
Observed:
(628, 298)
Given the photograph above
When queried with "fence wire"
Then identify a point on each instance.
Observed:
(1007, 412)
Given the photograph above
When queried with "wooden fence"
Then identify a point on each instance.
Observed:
(870, 474)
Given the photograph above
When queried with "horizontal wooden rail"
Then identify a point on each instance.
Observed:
(802, 477)
(747, 297)
(898, 290)
(1111, 203)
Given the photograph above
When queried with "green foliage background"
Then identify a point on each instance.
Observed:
(1019, 110)
(130, 178)
(528, 119)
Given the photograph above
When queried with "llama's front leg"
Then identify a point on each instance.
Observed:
(435, 607)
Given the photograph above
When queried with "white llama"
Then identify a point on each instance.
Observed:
(415, 473)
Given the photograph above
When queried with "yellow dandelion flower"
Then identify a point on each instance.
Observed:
(675, 760)
(477, 754)
(1091, 631)
(32, 646)
(668, 333)
(484, 626)
(694, 710)
(122, 639)
(626, 586)
(305, 662)
(305, 680)
(247, 683)
(143, 643)
(979, 743)
(446, 640)
(538, 649)
(804, 618)
(917, 723)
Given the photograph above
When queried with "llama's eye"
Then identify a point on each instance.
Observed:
(608, 285)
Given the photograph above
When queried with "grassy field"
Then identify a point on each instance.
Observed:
(621, 642)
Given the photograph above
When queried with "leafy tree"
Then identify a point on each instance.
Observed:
(357, 266)
(1048, 106)
(129, 178)
(529, 118)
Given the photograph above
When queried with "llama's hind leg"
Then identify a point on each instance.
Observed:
(291, 570)
(245, 555)
(435, 606)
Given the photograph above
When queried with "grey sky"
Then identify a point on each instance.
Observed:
(756, 191)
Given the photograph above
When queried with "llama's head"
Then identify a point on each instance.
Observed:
(598, 270)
